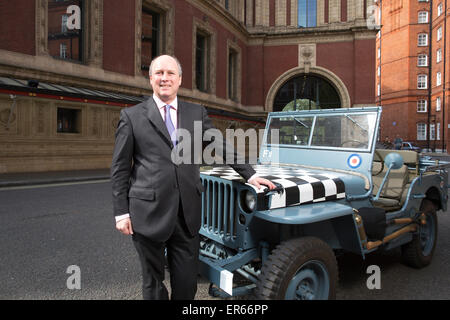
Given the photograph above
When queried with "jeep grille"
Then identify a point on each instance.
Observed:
(219, 209)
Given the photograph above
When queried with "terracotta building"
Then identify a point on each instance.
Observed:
(68, 67)
(411, 71)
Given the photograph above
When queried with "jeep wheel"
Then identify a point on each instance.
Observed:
(299, 269)
(419, 252)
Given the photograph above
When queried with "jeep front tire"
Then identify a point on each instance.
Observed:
(299, 269)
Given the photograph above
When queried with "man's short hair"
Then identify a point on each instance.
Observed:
(180, 71)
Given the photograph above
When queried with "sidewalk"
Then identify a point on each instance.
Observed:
(39, 178)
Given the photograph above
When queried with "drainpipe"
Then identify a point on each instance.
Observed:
(379, 64)
(430, 60)
(444, 123)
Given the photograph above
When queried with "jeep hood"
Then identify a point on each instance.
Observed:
(296, 185)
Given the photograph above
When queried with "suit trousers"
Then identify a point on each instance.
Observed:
(182, 259)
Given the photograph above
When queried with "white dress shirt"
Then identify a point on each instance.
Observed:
(173, 110)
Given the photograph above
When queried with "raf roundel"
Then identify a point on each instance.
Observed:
(354, 161)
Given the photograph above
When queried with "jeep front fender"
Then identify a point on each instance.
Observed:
(305, 213)
(332, 222)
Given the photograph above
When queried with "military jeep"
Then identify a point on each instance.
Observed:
(335, 193)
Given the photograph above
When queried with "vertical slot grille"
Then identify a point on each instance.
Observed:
(218, 208)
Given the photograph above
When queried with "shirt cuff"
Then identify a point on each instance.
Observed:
(121, 217)
(253, 176)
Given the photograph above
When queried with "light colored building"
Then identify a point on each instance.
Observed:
(62, 87)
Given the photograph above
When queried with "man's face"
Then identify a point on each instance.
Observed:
(165, 79)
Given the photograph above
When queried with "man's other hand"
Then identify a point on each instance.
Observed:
(124, 226)
(258, 181)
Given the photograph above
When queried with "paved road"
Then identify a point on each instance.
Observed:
(44, 230)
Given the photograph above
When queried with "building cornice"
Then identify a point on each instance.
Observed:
(315, 36)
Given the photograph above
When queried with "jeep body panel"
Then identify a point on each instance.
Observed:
(309, 213)
(336, 147)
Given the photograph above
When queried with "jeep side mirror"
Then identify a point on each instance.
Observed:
(393, 161)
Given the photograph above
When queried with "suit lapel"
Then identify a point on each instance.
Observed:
(183, 116)
(153, 114)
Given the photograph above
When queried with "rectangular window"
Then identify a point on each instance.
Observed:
(438, 131)
(307, 13)
(151, 32)
(432, 131)
(422, 60)
(422, 106)
(64, 23)
(202, 62)
(421, 131)
(422, 40)
(63, 51)
(440, 9)
(438, 79)
(422, 81)
(439, 33)
(232, 75)
(423, 17)
(69, 120)
(438, 104)
(59, 31)
(438, 55)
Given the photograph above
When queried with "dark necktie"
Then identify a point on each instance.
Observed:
(169, 125)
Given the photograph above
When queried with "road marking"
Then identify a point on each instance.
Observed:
(35, 186)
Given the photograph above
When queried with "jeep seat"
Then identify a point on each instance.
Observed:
(396, 187)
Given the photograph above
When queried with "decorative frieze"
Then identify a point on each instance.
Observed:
(307, 56)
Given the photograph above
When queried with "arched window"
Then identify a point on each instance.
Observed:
(306, 92)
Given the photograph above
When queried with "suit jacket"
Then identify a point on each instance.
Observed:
(145, 182)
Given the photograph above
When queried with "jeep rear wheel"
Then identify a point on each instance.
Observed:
(419, 252)
(299, 269)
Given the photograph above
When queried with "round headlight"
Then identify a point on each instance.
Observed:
(249, 200)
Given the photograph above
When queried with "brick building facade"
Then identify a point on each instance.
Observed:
(61, 89)
(412, 73)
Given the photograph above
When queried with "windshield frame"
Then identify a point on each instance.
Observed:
(343, 113)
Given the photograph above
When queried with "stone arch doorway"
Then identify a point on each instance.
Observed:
(317, 88)
(306, 92)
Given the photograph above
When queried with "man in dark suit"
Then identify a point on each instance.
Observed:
(156, 200)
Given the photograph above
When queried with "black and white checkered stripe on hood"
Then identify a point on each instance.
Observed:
(300, 186)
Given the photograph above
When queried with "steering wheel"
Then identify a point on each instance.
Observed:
(382, 163)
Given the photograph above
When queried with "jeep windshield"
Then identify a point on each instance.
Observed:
(346, 131)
